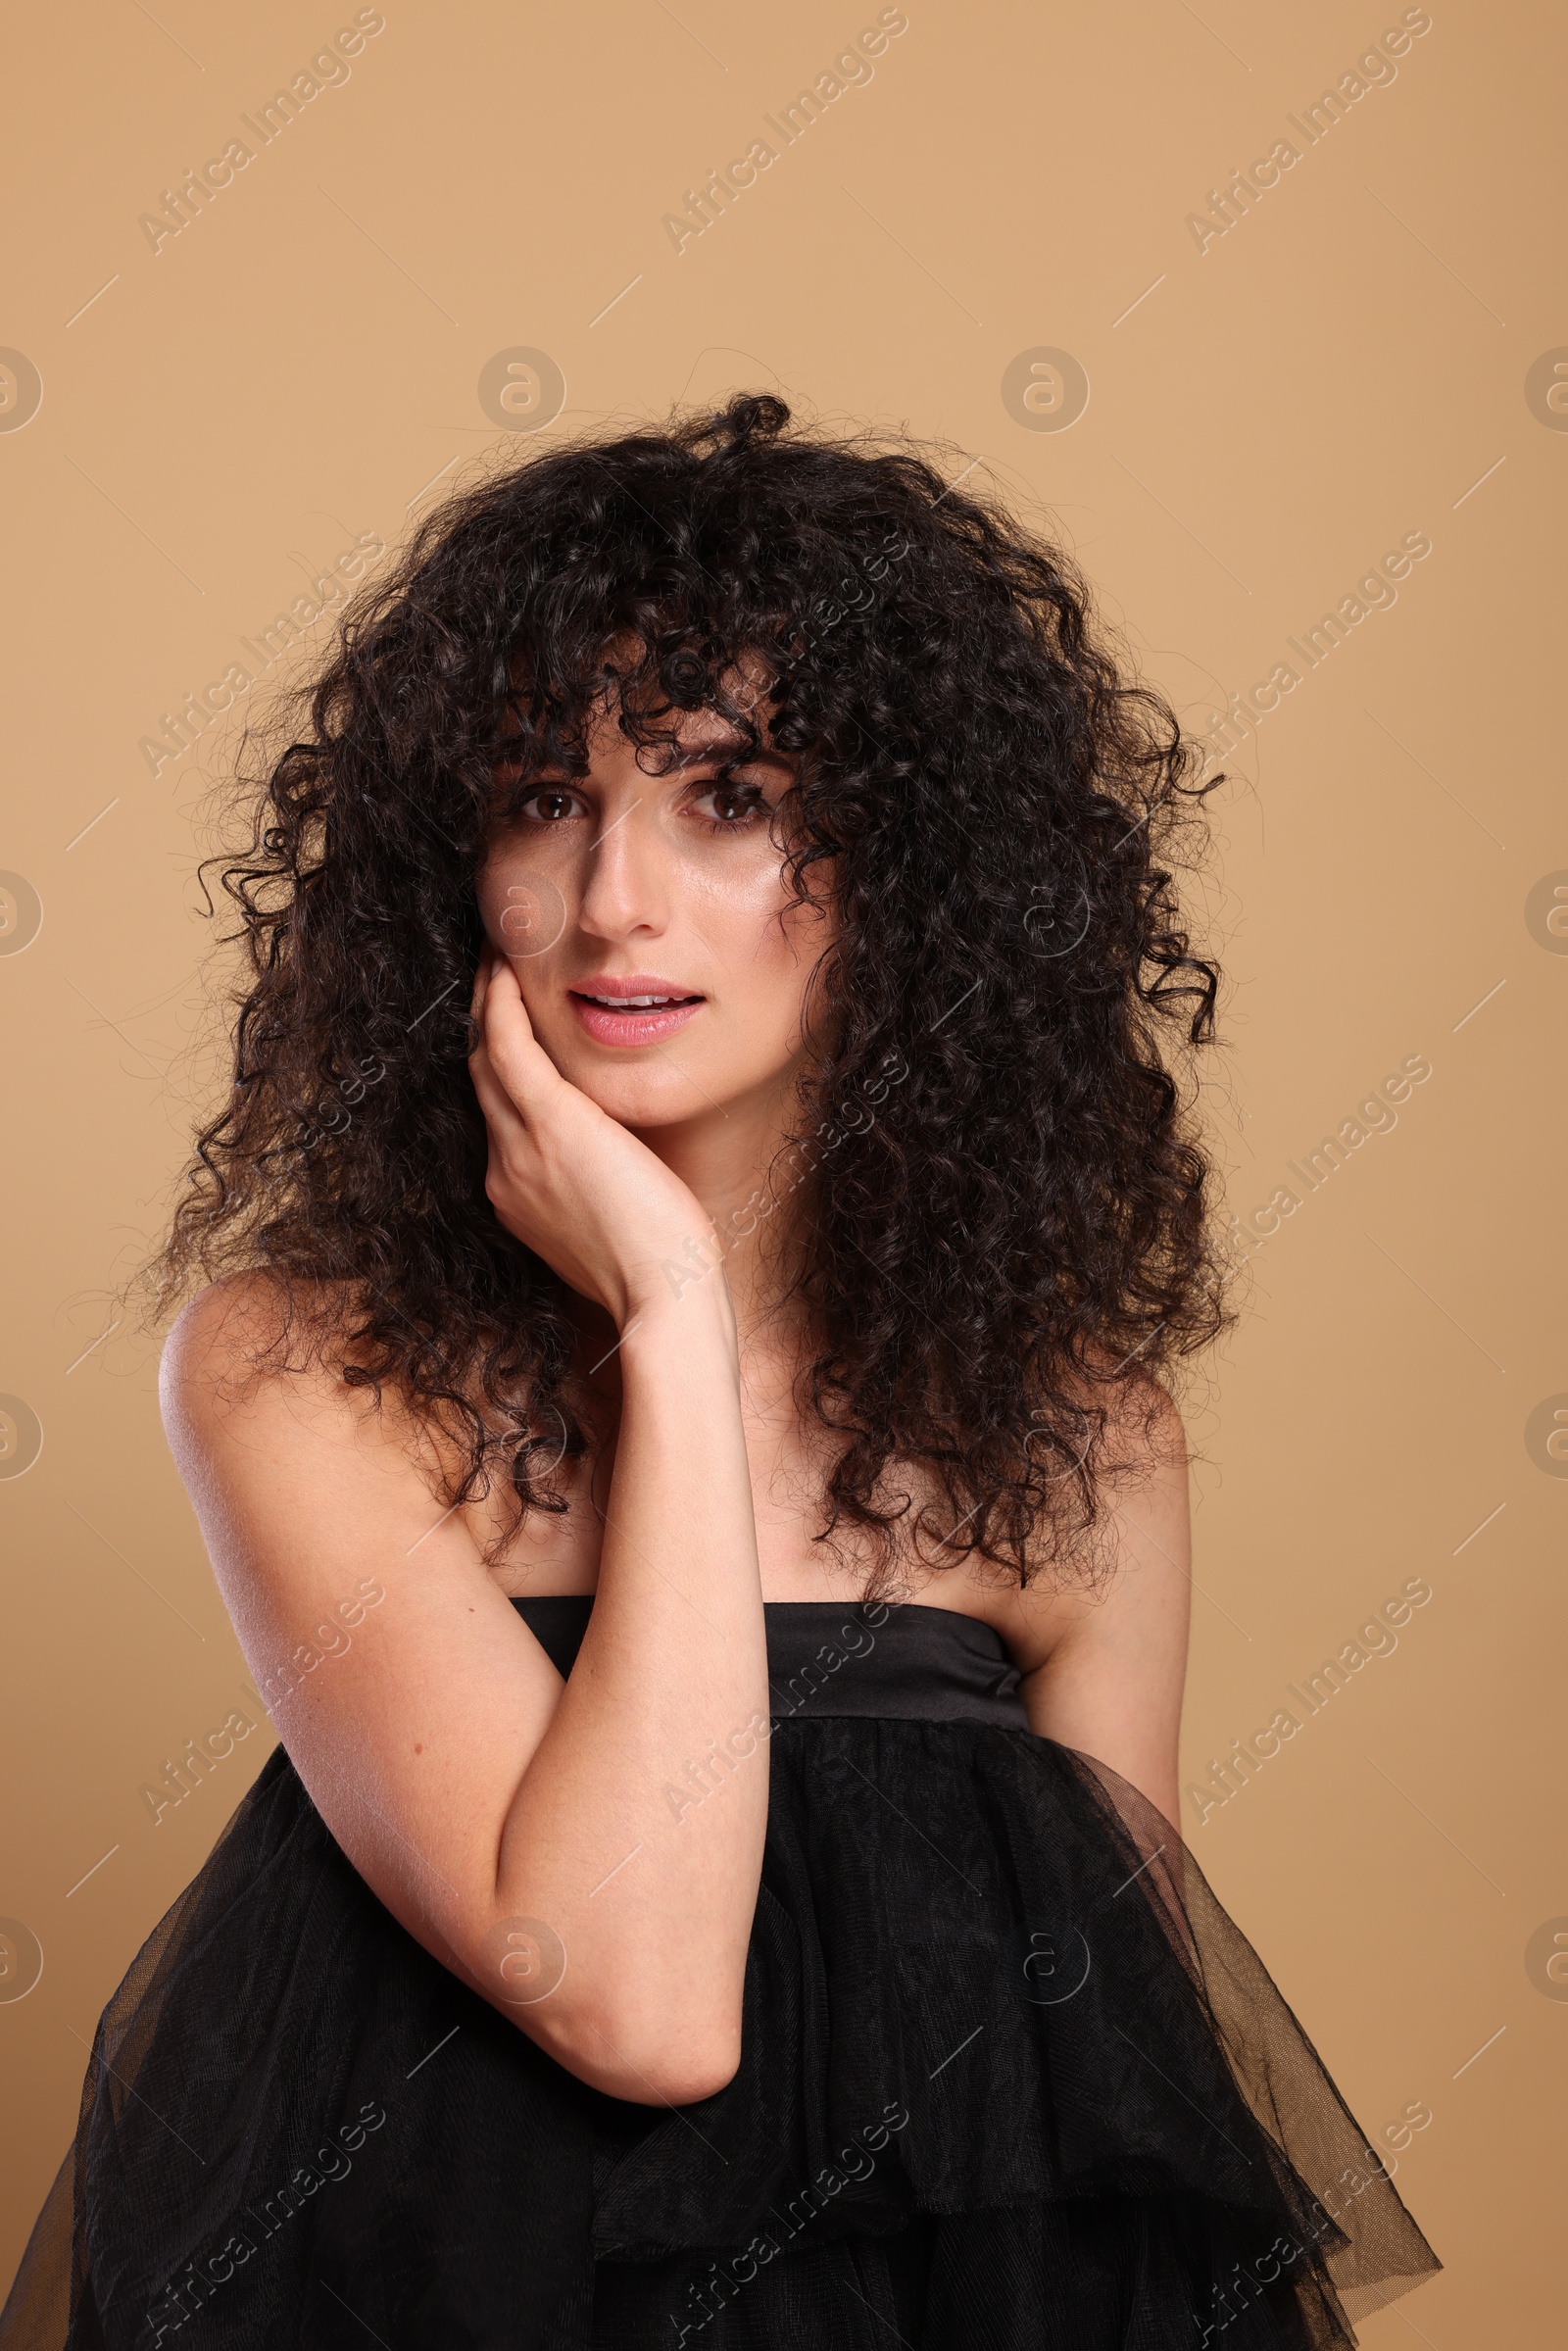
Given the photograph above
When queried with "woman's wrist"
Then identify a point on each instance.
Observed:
(684, 1305)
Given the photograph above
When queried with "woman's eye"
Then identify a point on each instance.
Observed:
(730, 806)
(549, 804)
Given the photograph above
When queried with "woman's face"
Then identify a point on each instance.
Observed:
(624, 885)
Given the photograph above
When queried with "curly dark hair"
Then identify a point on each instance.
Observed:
(1008, 1212)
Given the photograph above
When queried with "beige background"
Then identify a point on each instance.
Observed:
(1266, 416)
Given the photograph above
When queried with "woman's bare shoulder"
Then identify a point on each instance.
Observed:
(224, 1327)
(253, 1360)
(1140, 1521)
(259, 1414)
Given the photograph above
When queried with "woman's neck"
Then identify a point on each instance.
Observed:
(755, 1187)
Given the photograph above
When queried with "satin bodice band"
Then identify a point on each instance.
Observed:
(831, 1657)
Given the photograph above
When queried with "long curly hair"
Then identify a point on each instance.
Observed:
(1007, 1199)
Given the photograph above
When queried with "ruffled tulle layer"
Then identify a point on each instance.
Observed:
(1010, 2077)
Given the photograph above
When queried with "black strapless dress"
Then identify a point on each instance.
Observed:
(1010, 2080)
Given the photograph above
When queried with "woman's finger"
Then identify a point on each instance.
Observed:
(501, 1112)
(516, 1054)
(494, 1101)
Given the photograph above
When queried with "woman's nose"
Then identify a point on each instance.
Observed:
(626, 878)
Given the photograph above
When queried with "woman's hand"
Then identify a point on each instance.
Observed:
(565, 1178)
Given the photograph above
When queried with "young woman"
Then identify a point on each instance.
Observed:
(678, 1416)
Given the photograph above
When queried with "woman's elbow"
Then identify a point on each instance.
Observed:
(659, 2060)
(654, 2025)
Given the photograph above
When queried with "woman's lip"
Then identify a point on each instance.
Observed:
(643, 1027)
(629, 983)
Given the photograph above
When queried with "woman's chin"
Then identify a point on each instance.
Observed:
(642, 1097)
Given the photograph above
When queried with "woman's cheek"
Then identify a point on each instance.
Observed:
(522, 910)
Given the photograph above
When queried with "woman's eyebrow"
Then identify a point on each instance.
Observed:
(693, 755)
(729, 747)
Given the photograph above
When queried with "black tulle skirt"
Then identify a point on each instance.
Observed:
(1010, 2077)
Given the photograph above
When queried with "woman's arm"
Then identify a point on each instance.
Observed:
(468, 1787)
